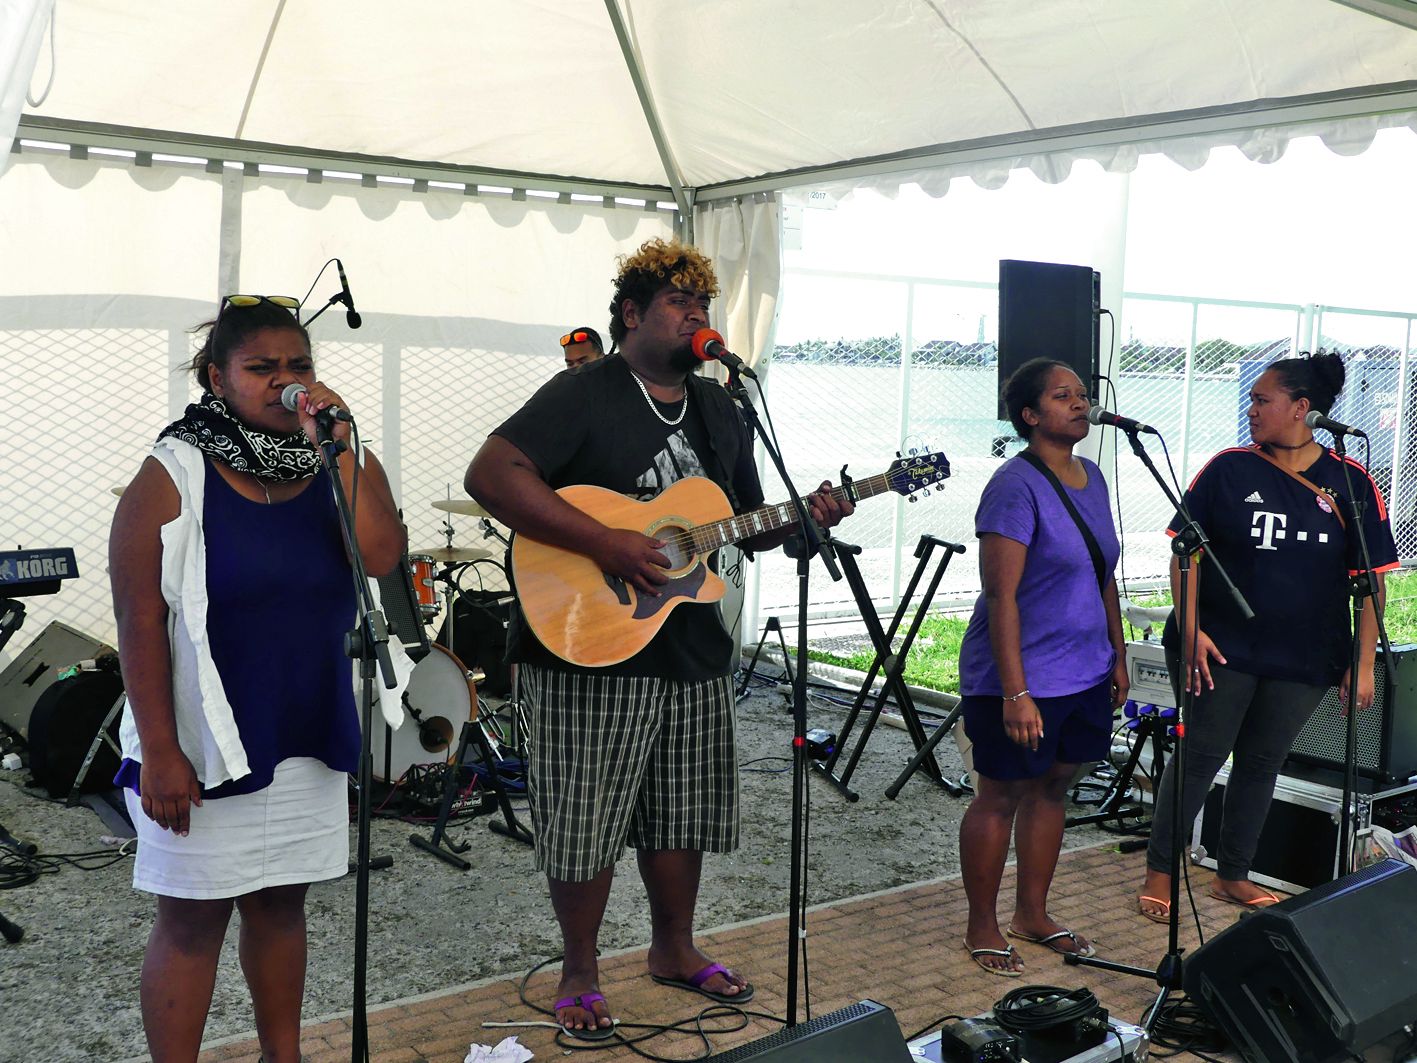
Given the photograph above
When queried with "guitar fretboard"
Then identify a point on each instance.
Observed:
(709, 537)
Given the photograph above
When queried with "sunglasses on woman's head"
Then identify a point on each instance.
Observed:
(289, 302)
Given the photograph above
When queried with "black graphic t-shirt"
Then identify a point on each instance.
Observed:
(592, 425)
(1287, 552)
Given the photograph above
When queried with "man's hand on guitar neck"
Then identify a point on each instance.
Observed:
(826, 509)
(635, 558)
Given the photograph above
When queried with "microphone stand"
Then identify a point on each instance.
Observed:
(1361, 586)
(368, 643)
(809, 541)
(1190, 539)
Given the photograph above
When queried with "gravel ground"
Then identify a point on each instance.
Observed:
(69, 989)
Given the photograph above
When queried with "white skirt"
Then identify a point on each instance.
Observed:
(295, 830)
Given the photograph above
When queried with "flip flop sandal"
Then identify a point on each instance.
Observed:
(1264, 900)
(1078, 949)
(1163, 916)
(590, 1033)
(695, 984)
(1010, 954)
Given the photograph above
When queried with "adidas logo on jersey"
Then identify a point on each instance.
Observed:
(1255, 498)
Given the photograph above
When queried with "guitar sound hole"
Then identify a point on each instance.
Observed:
(678, 545)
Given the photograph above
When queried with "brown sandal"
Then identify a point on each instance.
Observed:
(1163, 916)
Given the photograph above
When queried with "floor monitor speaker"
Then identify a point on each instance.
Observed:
(31, 673)
(864, 1031)
(1316, 978)
(1047, 310)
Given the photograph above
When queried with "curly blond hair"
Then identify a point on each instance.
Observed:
(658, 264)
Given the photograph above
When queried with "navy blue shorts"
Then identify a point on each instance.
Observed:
(1077, 729)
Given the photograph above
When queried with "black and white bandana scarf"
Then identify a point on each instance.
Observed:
(209, 426)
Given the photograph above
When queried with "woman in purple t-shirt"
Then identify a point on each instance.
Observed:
(1042, 666)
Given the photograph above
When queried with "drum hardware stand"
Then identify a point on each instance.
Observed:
(809, 541)
(12, 932)
(773, 624)
(892, 663)
(472, 733)
(368, 643)
(1186, 544)
(1114, 807)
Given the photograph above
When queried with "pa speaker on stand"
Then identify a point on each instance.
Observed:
(1048, 310)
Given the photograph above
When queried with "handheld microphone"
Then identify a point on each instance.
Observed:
(289, 396)
(1097, 415)
(1314, 419)
(351, 315)
(708, 347)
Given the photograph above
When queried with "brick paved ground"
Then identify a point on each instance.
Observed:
(901, 948)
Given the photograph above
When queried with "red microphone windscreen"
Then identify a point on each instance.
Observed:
(702, 339)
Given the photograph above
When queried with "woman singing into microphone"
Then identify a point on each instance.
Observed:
(233, 591)
(1280, 520)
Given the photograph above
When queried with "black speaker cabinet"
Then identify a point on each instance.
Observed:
(856, 1034)
(1047, 310)
(1319, 977)
(1387, 732)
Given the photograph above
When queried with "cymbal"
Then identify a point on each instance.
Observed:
(466, 506)
(450, 555)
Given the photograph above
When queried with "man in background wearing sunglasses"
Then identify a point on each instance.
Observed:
(582, 345)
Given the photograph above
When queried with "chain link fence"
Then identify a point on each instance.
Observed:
(81, 407)
(921, 372)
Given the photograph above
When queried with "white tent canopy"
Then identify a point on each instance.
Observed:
(723, 96)
(478, 166)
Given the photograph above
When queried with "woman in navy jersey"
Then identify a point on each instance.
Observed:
(233, 591)
(1041, 666)
(1279, 518)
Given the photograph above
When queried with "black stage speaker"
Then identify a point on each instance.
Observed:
(1387, 732)
(1319, 977)
(480, 637)
(857, 1034)
(1047, 310)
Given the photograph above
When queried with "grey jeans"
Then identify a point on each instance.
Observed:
(1256, 719)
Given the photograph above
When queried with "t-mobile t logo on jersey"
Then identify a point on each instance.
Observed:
(1267, 527)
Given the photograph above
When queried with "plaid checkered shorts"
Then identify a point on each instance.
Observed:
(616, 759)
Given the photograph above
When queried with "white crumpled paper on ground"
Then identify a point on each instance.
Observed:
(507, 1051)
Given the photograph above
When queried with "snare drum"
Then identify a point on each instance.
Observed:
(420, 571)
(440, 698)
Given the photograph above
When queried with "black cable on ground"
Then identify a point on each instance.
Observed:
(694, 1026)
(1183, 1027)
(19, 869)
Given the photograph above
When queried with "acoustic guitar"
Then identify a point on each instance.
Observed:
(592, 619)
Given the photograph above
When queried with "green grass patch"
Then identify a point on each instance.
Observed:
(933, 661)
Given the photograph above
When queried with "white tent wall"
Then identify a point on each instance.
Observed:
(22, 26)
(107, 265)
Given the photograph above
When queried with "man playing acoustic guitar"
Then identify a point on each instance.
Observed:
(643, 750)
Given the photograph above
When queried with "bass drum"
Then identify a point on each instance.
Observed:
(440, 698)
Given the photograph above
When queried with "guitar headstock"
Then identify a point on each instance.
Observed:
(916, 471)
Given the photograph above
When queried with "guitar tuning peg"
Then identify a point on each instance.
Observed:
(925, 491)
(910, 498)
(897, 454)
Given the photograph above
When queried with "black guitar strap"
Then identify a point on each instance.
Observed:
(1094, 551)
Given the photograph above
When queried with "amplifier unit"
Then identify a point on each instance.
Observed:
(31, 673)
(1386, 733)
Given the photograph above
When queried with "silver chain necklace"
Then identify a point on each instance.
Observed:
(683, 406)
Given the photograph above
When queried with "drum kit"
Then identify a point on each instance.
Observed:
(442, 693)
